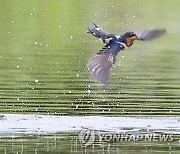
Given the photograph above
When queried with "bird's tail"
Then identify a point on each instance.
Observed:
(97, 32)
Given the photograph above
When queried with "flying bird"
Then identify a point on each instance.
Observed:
(99, 66)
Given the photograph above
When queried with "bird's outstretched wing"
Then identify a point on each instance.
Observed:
(99, 66)
(97, 32)
(150, 34)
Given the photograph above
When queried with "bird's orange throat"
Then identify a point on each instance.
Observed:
(130, 40)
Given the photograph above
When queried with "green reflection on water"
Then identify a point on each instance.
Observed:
(69, 143)
(44, 50)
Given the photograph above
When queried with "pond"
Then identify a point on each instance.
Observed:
(43, 56)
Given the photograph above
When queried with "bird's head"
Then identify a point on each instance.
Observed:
(130, 37)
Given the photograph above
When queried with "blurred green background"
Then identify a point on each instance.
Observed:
(44, 49)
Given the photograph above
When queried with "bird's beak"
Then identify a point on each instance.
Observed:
(137, 38)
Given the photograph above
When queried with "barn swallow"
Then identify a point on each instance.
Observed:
(99, 66)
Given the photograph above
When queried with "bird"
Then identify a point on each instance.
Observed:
(100, 65)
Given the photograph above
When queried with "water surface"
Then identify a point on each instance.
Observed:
(43, 55)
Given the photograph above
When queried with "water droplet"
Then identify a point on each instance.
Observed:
(36, 80)
(89, 91)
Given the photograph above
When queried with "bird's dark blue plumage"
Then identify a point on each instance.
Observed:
(99, 66)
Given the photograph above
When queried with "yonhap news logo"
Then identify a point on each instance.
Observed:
(89, 137)
(86, 137)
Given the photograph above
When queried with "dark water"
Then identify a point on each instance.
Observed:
(67, 143)
(44, 50)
